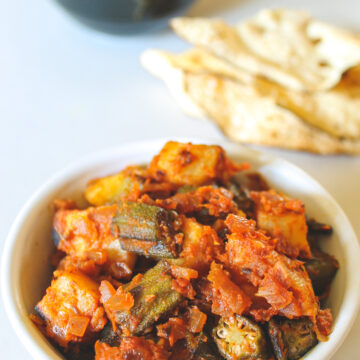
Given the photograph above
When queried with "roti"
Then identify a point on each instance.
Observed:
(336, 111)
(242, 111)
(287, 47)
(159, 63)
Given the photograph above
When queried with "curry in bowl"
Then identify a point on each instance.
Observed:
(191, 257)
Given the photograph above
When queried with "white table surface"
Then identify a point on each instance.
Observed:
(66, 91)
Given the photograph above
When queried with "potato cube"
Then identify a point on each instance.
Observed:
(86, 235)
(112, 188)
(188, 164)
(283, 218)
(201, 245)
(79, 232)
(71, 308)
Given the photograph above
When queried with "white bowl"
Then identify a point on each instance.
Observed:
(26, 269)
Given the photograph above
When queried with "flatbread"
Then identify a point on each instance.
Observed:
(241, 111)
(286, 46)
(195, 60)
(159, 64)
(336, 111)
(245, 116)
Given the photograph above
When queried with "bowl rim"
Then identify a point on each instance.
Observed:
(19, 319)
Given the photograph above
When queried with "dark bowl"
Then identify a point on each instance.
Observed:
(125, 16)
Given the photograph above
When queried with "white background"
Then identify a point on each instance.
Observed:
(66, 91)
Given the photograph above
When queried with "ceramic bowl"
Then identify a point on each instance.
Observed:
(26, 269)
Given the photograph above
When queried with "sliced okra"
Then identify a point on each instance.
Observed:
(239, 338)
(321, 269)
(146, 230)
(291, 339)
(153, 298)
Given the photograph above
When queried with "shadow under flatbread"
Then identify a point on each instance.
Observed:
(213, 7)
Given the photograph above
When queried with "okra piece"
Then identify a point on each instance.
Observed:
(109, 336)
(241, 184)
(321, 269)
(186, 189)
(242, 199)
(146, 230)
(204, 218)
(291, 339)
(56, 237)
(239, 338)
(251, 181)
(206, 349)
(153, 298)
(80, 352)
(200, 347)
(317, 228)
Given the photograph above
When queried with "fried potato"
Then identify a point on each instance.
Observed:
(71, 308)
(86, 235)
(284, 219)
(243, 107)
(285, 46)
(184, 164)
(113, 188)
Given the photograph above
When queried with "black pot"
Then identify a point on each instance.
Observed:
(125, 16)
